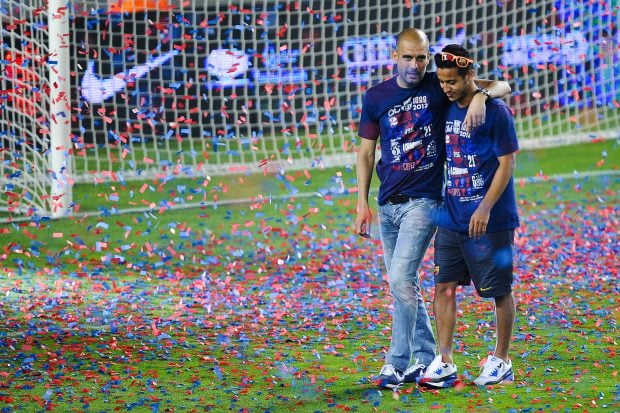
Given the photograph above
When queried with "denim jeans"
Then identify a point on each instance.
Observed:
(406, 231)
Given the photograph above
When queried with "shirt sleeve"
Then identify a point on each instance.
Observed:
(504, 133)
(369, 124)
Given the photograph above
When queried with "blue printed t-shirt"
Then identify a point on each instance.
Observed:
(410, 125)
(471, 163)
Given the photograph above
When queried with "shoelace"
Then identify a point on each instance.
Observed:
(389, 370)
(415, 367)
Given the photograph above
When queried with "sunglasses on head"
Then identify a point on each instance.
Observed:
(461, 61)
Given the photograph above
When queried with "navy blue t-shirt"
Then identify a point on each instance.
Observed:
(410, 125)
(471, 163)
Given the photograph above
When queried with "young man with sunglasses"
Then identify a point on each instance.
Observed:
(406, 114)
(477, 222)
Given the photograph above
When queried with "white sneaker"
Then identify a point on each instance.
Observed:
(495, 371)
(439, 374)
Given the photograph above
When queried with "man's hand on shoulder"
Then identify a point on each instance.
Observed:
(476, 112)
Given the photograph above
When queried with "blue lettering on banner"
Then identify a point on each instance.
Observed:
(281, 76)
(571, 48)
(363, 56)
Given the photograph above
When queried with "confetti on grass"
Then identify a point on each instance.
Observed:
(265, 316)
(277, 305)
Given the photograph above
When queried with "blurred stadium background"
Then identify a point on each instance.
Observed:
(98, 90)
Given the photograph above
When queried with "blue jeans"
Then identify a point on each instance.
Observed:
(406, 231)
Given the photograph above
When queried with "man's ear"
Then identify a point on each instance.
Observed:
(470, 75)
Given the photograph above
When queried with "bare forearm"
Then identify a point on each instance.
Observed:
(499, 183)
(365, 165)
(480, 218)
(497, 88)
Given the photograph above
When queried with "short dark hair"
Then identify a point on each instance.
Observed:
(456, 50)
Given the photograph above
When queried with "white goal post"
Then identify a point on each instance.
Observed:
(101, 90)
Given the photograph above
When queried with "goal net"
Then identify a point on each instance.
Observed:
(136, 89)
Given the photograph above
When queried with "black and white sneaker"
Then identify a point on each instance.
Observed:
(414, 373)
(390, 377)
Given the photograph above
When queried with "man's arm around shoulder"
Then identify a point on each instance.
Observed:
(476, 113)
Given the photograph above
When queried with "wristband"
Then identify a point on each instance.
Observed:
(485, 92)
